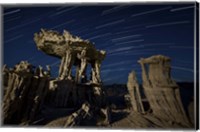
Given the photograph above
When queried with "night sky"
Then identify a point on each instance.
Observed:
(127, 32)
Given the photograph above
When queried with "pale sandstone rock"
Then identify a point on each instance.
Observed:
(73, 51)
(161, 91)
(135, 96)
(34, 87)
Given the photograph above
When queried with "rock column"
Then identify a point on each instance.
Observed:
(133, 89)
(161, 91)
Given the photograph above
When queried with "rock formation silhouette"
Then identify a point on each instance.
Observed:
(161, 90)
(27, 89)
(24, 93)
(73, 51)
(163, 96)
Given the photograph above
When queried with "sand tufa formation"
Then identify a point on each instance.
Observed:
(28, 91)
(31, 96)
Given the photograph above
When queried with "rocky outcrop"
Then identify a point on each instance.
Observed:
(77, 52)
(163, 96)
(73, 51)
(135, 96)
(24, 93)
(161, 91)
(27, 90)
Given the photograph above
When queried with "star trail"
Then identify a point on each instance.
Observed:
(127, 32)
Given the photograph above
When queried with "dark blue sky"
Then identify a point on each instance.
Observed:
(126, 32)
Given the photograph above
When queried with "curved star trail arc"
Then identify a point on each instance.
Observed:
(126, 32)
